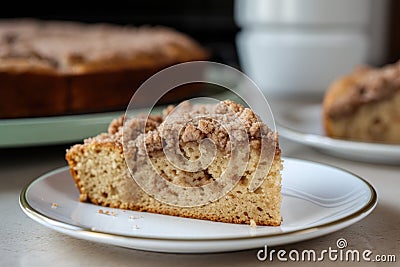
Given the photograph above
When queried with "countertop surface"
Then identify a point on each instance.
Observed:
(24, 242)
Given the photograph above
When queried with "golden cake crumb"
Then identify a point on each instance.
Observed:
(107, 212)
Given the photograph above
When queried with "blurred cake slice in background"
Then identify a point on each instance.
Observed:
(365, 105)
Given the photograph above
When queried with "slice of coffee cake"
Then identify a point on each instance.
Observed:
(364, 105)
(211, 151)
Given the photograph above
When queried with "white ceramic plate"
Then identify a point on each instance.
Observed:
(301, 121)
(317, 200)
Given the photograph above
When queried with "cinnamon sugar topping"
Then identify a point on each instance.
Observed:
(194, 123)
(197, 122)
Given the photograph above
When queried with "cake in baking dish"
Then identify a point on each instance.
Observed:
(55, 67)
(99, 167)
(365, 105)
